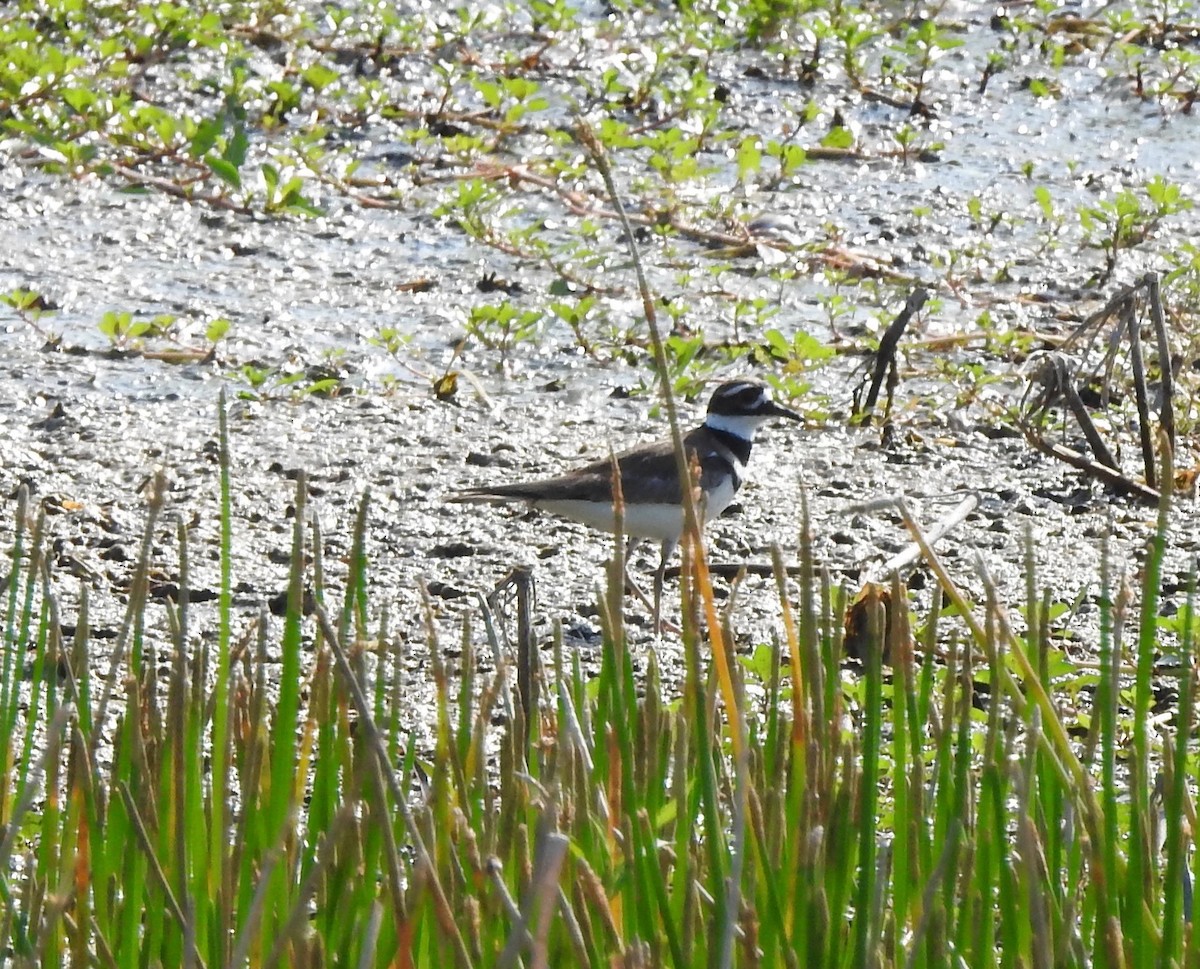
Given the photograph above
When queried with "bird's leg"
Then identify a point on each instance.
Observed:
(631, 545)
(660, 575)
(631, 586)
(655, 606)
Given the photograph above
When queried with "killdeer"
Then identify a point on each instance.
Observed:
(719, 448)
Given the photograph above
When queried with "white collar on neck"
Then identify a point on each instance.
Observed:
(740, 425)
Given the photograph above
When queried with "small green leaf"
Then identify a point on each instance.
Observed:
(319, 76)
(838, 137)
(161, 324)
(324, 386)
(490, 92)
(792, 157)
(116, 326)
(22, 299)
(224, 170)
(216, 330)
(749, 156)
(286, 98)
(295, 202)
(235, 151)
(80, 99)
(1042, 194)
(255, 376)
(207, 133)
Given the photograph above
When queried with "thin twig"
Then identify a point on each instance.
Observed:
(912, 553)
(1110, 477)
(1138, 364)
(1090, 432)
(173, 188)
(885, 356)
(1166, 366)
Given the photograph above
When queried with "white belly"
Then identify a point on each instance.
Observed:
(663, 522)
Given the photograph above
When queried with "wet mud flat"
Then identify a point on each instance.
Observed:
(309, 300)
(86, 455)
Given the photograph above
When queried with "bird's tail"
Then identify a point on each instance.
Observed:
(489, 496)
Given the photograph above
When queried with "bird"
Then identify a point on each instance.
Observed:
(718, 451)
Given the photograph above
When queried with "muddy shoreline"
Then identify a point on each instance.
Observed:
(309, 300)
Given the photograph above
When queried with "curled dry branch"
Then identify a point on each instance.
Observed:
(1093, 362)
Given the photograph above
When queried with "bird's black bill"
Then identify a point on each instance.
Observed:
(778, 410)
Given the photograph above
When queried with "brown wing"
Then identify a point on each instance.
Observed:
(647, 470)
(654, 467)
